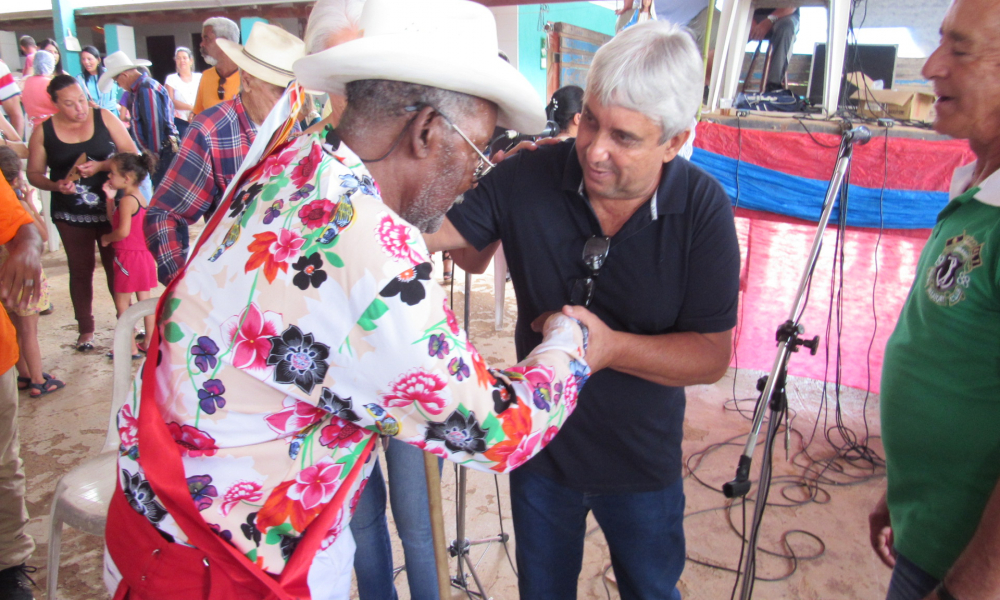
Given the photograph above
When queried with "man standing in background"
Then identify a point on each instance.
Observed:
(220, 82)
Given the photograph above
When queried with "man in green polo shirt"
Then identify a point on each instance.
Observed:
(938, 525)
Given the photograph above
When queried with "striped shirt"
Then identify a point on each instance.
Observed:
(152, 114)
(8, 87)
(209, 157)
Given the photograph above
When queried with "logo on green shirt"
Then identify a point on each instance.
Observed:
(948, 279)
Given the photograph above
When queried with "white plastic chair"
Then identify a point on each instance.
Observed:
(83, 495)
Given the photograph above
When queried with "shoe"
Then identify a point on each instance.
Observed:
(27, 381)
(48, 311)
(446, 276)
(15, 584)
(45, 388)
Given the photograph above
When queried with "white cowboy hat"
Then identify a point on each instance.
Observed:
(268, 54)
(447, 44)
(115, 64)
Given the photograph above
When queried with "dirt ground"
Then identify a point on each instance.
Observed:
(60, 430)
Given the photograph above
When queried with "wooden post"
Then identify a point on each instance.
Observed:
(433, 472)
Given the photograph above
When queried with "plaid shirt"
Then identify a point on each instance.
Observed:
(152, 114)
(210, 155)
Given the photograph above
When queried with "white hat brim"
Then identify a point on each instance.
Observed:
(258, 69)
(107, 78)
(415, 61)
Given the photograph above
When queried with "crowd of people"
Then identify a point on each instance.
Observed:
(307, 331)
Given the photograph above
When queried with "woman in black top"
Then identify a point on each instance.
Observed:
(78, 132)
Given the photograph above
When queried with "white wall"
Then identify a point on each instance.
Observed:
(506, 17)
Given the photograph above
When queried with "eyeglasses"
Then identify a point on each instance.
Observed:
(595, 251)
(484, 166)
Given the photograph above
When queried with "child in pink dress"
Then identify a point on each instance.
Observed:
(135, 268)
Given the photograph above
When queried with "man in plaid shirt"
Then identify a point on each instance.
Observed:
(215, 145)
(210, 154)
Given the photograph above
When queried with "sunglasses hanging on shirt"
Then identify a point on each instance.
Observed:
(595, 252)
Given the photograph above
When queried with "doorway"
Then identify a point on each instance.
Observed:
(160, 51)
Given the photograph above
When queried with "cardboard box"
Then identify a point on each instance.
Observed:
(914, 103)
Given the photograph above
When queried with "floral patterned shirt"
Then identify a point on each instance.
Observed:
(307, 323)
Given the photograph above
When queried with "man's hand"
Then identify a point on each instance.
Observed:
(880, 531)
(21, 274)
(65, 186)
(760, 29)
(600, 344)
(525, 145)
(538, 325)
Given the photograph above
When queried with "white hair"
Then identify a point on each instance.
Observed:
(223, 28)
(653, 68)
(329, 17)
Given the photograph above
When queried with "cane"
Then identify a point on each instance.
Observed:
(433, 473)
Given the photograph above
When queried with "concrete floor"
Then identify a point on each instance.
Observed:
(60, 430)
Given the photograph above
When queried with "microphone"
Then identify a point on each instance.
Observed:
(551, 130)
(858, 135)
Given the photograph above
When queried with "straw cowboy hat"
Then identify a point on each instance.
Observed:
(447, 44)
(115, 64)
(268, 54)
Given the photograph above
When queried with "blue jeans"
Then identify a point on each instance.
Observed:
(644, 531)
(909, 582)
(408, 497)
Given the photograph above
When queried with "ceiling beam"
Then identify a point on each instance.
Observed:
(142, 14)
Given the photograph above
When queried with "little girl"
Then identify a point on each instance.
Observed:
(135, 268)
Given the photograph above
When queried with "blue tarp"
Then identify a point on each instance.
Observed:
(776, 192)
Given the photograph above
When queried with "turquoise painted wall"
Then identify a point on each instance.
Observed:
(531, 37)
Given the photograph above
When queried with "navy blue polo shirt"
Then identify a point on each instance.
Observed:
(673, 267)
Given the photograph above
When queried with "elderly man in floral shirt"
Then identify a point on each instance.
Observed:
(306, 324)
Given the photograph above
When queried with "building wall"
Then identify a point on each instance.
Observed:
(531, 35)
(507, 32)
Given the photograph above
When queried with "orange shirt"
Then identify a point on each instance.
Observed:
(12, 217)
(208, 89)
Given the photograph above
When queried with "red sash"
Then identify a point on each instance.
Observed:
(153, 568)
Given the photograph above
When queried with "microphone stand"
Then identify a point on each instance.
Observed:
(772, 386)
(460, 547)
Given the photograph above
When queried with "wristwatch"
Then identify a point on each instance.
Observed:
(772, 18)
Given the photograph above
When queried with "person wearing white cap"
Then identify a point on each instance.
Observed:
(216, 143)
(150, 107)
(644, 245)
(306, 324)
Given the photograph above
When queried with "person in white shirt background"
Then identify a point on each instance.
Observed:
(183, 87)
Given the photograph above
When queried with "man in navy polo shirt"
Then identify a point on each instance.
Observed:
(646, 242)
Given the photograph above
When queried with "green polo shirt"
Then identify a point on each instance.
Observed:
(941, 383)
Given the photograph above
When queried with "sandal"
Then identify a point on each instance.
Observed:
(446, 277)
(84, 346)
(27, 381)
(45, 388)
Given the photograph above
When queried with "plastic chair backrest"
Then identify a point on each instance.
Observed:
(122, 383)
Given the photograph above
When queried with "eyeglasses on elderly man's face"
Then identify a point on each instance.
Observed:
(484, 166)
